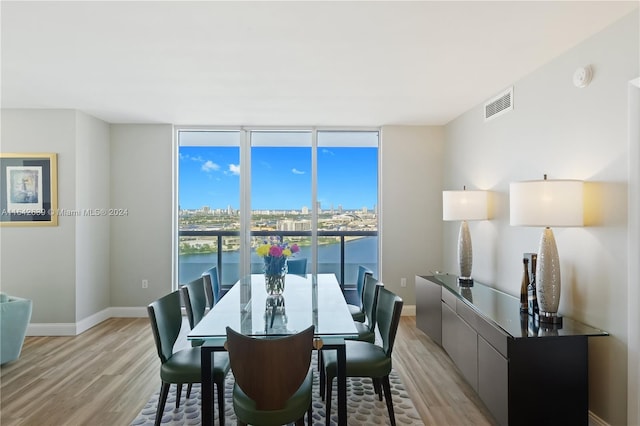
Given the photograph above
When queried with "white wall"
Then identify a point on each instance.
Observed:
(63, 269)
(634, 253)
(38, 263)
(565, 132)
(410, 205)
(92, 232)
(141, 182)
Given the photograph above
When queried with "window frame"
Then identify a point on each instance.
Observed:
(245, 188)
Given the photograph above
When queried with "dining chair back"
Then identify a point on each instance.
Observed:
(357, 311)
(297, 266)
(182, 366)
(212, 286)
(195, 300)
(364, 359)
(367, 330)
(273, 379)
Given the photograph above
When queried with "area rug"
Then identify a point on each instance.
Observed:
(363, 405)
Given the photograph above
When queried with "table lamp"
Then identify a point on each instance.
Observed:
(547, 203)
(464, 205)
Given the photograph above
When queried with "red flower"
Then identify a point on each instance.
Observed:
(275, 251)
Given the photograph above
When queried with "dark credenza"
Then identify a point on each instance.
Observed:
(525, 373)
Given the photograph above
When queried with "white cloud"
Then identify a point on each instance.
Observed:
(234, 169)
(210, 166)
(296, 171)
(326, 151)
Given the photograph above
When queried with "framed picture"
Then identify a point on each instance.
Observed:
(28, 189)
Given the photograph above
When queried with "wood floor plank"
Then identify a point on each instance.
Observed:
(106, 375)
(435, 385)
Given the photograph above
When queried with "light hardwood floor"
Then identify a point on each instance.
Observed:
(106, 375)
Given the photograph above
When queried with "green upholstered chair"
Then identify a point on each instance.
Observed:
(273, 379)
(212, 286)
(357, 311)
(182, 366)
(15, 314)
(297, 266)
(195, 300)
(366, 359)
(367, 329)
(195, 303)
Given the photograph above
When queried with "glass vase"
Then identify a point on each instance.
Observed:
(274, 279)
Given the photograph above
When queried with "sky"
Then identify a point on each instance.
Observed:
(281, 177)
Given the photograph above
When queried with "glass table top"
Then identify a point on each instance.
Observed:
(307, 299)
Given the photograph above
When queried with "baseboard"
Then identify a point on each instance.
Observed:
(596, 421)
(52, 329)
(92, 320)
(409, 311)
(129, 312)
(75, 328)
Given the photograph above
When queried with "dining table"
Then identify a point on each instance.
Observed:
(311, 299)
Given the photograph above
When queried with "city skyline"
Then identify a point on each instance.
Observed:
(281, 178)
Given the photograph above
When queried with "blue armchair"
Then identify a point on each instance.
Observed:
(15, 314)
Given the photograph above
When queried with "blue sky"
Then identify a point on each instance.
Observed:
(281, 177)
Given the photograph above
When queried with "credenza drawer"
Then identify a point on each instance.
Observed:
(494, 335)
(467, 314)
(491, 333)
(449, 298)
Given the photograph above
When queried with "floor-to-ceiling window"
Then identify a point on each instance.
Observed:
(281, 189)
(347, 201)
(208, 203)
(315, 188)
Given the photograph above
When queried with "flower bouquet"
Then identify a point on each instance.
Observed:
(275, 254)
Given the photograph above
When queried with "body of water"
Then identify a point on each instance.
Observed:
(363, 251)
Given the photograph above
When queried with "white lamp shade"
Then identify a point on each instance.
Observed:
(464, 205)
(547, 203)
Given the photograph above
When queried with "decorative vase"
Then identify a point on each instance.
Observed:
(275, 272)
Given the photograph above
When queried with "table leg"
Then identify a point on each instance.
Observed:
(342, 385)
(206, 387)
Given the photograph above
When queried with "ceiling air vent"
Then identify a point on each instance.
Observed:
(499, 104)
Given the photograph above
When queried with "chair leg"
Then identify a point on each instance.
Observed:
(164, 392)
(220, 387)
(178, 394)
(387, 396)
(377, 387)
(328, 402)
(310, 413)
(189, 390)
(322, 383)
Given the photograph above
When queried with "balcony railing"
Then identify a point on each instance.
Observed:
(352, 248)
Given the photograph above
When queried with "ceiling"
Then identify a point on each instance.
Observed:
(291, 63)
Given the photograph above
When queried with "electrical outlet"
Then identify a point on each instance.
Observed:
(145, 283)
(403, 282)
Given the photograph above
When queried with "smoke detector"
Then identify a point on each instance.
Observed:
(582, 77)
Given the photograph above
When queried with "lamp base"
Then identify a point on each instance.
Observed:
(549, 318)
(465, 281)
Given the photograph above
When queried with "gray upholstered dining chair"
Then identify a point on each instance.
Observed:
(366, 359)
